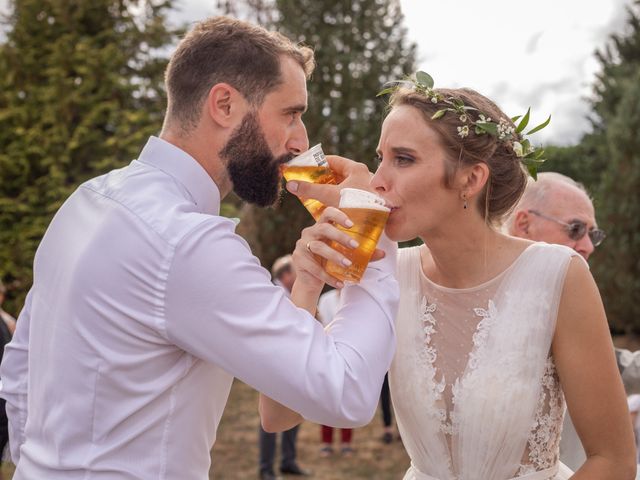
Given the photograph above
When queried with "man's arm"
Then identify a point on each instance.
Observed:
(14, 373)
(222, 307)
(629, 366)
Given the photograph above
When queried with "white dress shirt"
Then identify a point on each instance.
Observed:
(145, 304)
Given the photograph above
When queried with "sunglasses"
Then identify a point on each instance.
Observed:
(576, 229)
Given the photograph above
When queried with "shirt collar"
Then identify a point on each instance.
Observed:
(185, 169)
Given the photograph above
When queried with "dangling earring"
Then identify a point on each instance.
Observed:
(464, 197)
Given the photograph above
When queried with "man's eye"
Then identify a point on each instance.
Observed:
(577, 230)
(377, 160)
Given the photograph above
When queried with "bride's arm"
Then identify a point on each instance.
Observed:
(586, 364)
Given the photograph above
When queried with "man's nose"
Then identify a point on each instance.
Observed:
(584, 247)
(298, 142)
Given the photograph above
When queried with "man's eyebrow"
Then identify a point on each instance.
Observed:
(296, 108)
(578, 220)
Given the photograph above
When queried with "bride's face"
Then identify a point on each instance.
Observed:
(411, 174)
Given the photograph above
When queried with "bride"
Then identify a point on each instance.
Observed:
(494, 333)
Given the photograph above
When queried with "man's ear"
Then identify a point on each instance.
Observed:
(521, 224)
(225, 105)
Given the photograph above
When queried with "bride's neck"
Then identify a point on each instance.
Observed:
(463, 255)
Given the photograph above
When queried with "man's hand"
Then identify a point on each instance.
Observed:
(349, 174)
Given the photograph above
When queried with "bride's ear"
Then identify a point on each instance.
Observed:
(473, 178)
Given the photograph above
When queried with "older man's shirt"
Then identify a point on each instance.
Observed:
(145, 305)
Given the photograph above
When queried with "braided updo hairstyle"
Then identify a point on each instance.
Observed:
(507, 177)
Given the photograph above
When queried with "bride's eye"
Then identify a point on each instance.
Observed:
(403, 160)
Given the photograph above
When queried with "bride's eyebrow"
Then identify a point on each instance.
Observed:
(403, 150)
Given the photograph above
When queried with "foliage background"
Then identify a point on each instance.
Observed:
(81, 90)
(607, 162)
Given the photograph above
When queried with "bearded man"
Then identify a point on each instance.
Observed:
(145, 303)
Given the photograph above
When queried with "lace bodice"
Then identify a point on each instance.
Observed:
(473, 383)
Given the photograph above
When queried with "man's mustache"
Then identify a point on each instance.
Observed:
(287, 157)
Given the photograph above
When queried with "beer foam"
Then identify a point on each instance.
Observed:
(355, 198)
(314, 157)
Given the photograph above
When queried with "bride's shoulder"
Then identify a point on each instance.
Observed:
(520, 247)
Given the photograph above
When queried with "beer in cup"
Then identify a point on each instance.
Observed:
(310, 166)
(369, 215)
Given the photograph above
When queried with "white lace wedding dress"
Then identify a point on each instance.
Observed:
(475, 390)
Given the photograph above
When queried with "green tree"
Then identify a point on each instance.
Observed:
(80, 90)
(617, 264)
(583, 162)
(615, 141)
(359, 45)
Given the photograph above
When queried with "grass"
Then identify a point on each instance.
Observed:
(235, 454)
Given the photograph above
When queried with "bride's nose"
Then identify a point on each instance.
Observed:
(378, 181)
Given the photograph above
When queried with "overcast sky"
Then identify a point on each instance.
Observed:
(537, 53)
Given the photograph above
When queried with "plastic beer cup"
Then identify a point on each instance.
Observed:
(369, 215)
(310, 166)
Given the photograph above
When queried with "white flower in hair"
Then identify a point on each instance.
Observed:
(484, 119)
(463, 131)
(504, 129)
(464, 118)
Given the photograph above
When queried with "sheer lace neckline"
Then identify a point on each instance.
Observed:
(486, 284)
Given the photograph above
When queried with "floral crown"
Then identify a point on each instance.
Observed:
(503, 130)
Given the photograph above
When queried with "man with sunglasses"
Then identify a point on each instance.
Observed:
(557, 209)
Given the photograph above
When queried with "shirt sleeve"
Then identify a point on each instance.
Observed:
(14, 373)
(222, 307)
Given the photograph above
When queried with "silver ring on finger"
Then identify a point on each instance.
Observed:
(309, 247)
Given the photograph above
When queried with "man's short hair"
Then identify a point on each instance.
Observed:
(223, 49)
(536, 194)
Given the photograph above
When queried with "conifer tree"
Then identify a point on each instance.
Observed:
(616, 264)
(80, 91)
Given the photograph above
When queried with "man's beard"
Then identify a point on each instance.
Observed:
(254, 171)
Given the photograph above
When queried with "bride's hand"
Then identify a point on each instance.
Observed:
(313, 250)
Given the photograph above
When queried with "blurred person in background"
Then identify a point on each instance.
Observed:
(8, 320)
(284, 275)
(7, 327)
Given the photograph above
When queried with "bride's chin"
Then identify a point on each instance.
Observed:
(394, 235)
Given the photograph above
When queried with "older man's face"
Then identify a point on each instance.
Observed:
(568, 204)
